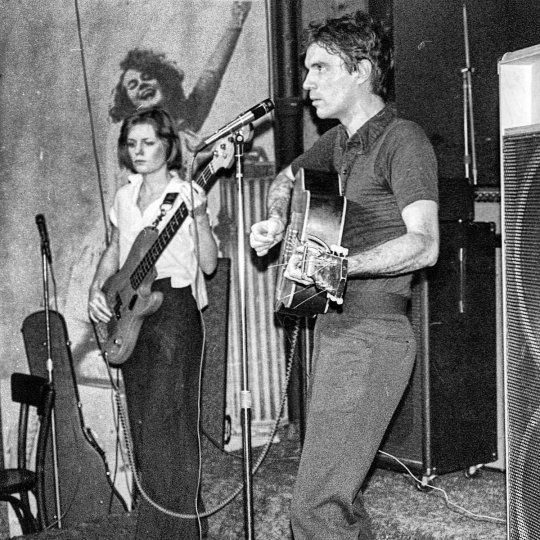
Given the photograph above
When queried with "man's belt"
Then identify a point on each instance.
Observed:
(377, 303)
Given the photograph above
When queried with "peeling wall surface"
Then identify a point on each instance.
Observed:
(58, 140)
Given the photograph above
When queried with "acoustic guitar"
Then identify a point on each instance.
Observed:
(317, 217)
(128, 292)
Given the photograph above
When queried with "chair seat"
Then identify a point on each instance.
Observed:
(16, 480)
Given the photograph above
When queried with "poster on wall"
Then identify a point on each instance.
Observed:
(70, 76)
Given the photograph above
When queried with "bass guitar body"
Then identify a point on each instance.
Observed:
(130, 305)
(317, 217)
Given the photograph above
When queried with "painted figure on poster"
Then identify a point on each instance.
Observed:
(149, 79)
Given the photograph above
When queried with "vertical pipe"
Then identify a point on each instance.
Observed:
(288, 133)
(287, 79)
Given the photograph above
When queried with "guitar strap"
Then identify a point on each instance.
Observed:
(165, 207)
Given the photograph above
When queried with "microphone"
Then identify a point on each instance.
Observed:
(42, 228)
(259, 110)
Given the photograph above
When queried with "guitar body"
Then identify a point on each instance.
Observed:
(129, 305)
(317, 218)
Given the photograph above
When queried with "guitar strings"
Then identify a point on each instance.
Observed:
(306, 299)
(321, 267)
(288, 296)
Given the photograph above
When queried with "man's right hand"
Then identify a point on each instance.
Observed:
(266, 234)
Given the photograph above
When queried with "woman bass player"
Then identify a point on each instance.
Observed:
(161, 375)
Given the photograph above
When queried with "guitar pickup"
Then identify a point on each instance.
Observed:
(118, 307)
(133, 302)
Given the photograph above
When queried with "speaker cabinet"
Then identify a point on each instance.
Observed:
(456, 199)
(519, 89)
(447, 419)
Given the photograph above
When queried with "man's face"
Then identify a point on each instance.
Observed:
(333, 91)
(143, 91)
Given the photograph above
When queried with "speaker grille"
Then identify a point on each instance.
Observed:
(521, 252)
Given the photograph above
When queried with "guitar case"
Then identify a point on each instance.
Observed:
(85, 485)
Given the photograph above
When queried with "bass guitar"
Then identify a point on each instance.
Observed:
(316, 223)
(128, 292)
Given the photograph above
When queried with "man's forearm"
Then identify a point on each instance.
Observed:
(405, 254)
(279, 197)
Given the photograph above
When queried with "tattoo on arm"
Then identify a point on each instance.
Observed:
(279, 197)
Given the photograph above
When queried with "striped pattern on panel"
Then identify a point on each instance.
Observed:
(265, 337)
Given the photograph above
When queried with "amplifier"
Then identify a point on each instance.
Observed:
(456, 199)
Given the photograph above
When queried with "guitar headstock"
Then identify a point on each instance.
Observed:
(223, 155)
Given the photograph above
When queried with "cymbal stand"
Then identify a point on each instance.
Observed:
(468, 114)
(45, 261)
(245, 394)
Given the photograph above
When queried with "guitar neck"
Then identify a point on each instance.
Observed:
(166, 235)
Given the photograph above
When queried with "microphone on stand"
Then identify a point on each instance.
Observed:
(259, 110)
(42, 228)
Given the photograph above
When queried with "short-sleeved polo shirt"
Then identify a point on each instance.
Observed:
(386, 165)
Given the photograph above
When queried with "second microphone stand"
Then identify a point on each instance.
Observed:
(468, 112)
(45, 258)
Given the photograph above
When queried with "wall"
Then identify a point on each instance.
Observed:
(56, 162)
(429, 40)
(47, 158)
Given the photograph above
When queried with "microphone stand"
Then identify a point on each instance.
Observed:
(245, 394)
(50, 375)
(468, 115)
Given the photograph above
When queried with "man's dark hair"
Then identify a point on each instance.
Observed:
(355, 37)
(165, 128)
(169, 76)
